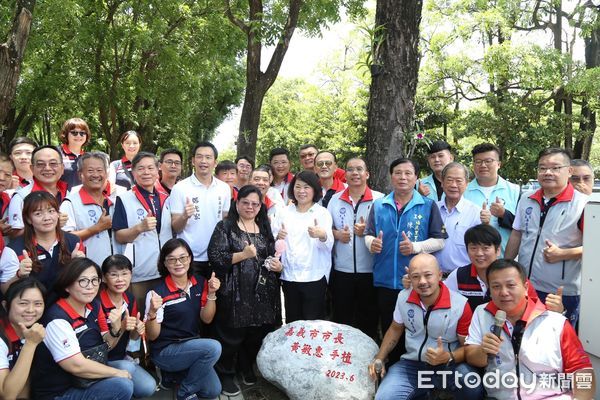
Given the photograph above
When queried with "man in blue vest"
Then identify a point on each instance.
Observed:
(436, 321)
(400, 225)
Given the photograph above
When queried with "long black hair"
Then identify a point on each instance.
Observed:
(261, 219)
(16, 290)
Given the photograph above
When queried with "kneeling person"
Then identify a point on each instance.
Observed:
(436, 321)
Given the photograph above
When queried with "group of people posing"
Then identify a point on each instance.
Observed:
(103, 260)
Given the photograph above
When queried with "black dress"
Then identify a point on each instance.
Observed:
(242, 301)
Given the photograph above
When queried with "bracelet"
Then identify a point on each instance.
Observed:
(115, 335)
(213, 298)
(150, 318)
(451, 360)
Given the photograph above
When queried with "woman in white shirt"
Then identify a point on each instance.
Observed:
(306, 228)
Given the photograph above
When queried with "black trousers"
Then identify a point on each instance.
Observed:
(304, 300)
(355, 301)
(239, 346)
(386, 299)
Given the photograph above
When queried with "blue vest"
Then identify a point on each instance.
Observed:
(389, 265)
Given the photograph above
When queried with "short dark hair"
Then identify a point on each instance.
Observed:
(403, 160)
(504, 263)
(439, 145)
(141, 155)
(279, 151)
(116, 261)
(19, 286)
(328, 152)
(171, 150)
(308, 146)
(205, 144)
(225, 165)
(550, 151)
(170, 246)
(71, 272)
(484, 148)
(21, 140)
(47, 146)
(483, 234)
(311, 179)
(358, 158)
(263, 168)
(245, 157)
(578, 162)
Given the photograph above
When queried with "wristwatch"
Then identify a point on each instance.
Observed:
(451, 359)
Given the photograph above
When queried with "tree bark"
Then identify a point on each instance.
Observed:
(393, 86)
(11, 56)
(258, 82)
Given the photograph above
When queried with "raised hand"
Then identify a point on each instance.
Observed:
(424, 189)
(34, 334)
(497, 208)
(114, 316)
(377, 243)
(140, 325)
(316, 232)
(104, 222)
(552, 253)
(406, 246)
(249, 250)
(485, 215)
(25, 265)
(437, 355)
(155, 302)
(189, 209)
(129, 321)
(148, 224)
(344, 235)
(5, 227)
(63, 218)
(213, 284)
(359, 227)
(282, 233)
(554, 301)
(406, 283)
(77, 253)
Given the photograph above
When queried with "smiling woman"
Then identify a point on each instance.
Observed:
(74, 135)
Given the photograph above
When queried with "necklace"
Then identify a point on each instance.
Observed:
(254, 232)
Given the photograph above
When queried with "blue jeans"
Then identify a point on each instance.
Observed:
(198, 357)
(144, 384)
(105, 389)
(571, 304)
(402, 381)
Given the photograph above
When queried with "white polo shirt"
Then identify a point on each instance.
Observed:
(211, 203)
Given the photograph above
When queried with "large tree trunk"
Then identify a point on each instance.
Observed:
(11, 57)
(393, 86)
(258, 82)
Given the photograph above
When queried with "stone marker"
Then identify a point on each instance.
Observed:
(319, 360)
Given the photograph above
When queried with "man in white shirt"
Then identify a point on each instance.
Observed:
(198, 203)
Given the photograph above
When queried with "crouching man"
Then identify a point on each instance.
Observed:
(538, 346)
(436, 322)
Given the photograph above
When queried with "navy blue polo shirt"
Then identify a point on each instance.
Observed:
(14, 343)
(152, 203)
(181, 311)
(119, 351)
(48, 379)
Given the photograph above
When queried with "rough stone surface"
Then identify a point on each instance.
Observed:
(318, 360)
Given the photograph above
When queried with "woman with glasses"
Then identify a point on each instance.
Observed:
(20, 336)
(43, 249)
(241, 251)
(174, 310)
(74, 135)
(72, 362)
(306, 228)
(120, 170)
(118, 303)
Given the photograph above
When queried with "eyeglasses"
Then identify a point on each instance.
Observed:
(329, 163)
(175, 260)
(246, 203)
(117, 275)
(487, 161)
(355, 169)
(171, 163)
(244, 166)
(85, 282)
(42, 165)
(303, 156)
(80, 133)
(554, 170)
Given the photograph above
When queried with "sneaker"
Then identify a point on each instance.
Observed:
(229, 387)
(249, 378)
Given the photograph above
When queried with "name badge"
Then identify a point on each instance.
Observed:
(41, 257)
(80, 328)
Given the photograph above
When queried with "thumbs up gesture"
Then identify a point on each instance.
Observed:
(104, 222)
(359, 227)
(485, 215)
(213, 284)
(114, 316)
(406, 283)
(552, 253)
(249, 250)
(377, 244)
(190, 209)
(77, 252)
(344, 234)
(437, 355)
(406, 246)
(63, 218)
(25, 265)
(140, 325)
(554, 301)
(5, 227)
(155, 302)
(129, 321)
(316, 232)
(424, 189)
(34, 334)
(282, 234)
(148, 224)
(497, 208)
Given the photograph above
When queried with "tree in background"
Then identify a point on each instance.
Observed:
(11, 56)
(272, 23)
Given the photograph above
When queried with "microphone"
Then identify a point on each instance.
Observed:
(499, 320)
